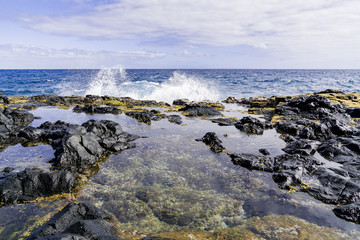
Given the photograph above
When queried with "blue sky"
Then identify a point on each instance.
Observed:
(180, 33)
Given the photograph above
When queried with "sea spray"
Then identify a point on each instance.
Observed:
(107, 81)
(115, 82)
(182, 85)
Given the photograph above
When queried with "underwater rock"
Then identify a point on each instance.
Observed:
(252, 125)
(11, 121)
(213, 141)
(33, 183)
(253, 162)
(196, 110)
(91, 109)
(77, 221)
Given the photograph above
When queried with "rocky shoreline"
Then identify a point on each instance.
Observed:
(319, 129)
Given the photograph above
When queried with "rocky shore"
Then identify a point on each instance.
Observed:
(321, 156)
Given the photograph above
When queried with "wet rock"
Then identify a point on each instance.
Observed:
(329, 90)
(252, 125)
(196, 110)
(92, 98)
(231, 99)
(334, 150)
(289, 169)
(350, 212)
(55, 100)
(353, 112)
(289, 127)
(302, 147)
(296, 162)
(264, 151)
(253, 162)
(83, 146)
(286, 179)
(259, 102)
(4, 99)
(146, 116)
(331, 185)
(30, 184)
(224, 121)
(213, 141)
(77, 221)
(181, 102)
(11, 121)
(79, 147)
(92, 109)
(174, 119)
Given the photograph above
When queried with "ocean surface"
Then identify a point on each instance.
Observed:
(169, 84)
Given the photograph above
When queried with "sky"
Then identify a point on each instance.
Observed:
(266, 34)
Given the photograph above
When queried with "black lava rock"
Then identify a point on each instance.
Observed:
(252, 125)
(92, 109)
(33, 183)
(253, 162)
(196, 110)
(77, 221)
(213, 141)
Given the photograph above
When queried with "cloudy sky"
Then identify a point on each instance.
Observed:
(180, 33)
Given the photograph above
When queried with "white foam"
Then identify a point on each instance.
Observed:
(182, 85)
(107, 81)
(116, 82)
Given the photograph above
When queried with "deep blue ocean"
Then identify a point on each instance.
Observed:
(169, 84)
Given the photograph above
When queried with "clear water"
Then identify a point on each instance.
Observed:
(187, 187)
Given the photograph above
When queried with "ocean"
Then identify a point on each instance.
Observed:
(169, 84)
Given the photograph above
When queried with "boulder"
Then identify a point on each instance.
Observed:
(30, 184)
(11, 121)
(181, 102)
(77, 221)
(252, 125)
(253, 162)
(146, 116)
(213, 141)
(4, 99)
(174, 119)
(197, 110)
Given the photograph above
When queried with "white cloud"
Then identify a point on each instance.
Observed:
(188, 53)
(296, 26)
(9, 50)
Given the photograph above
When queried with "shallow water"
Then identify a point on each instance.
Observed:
(172, 183)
